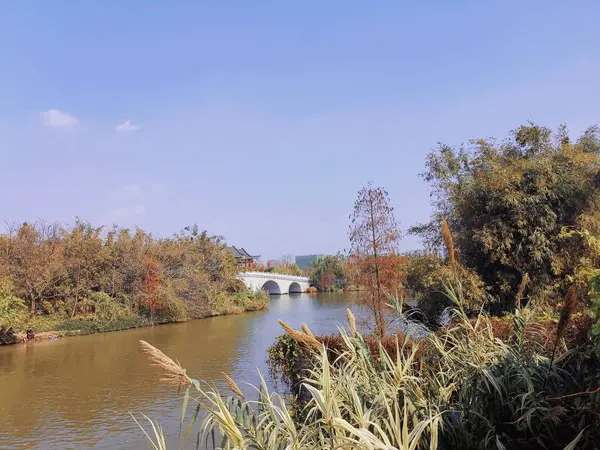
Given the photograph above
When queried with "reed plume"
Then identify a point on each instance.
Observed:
(174, 373)
(351, 320)
(447, 236)
(299, 336)
(232, 385)
(565, 316)
(522, 286)
(307, 330)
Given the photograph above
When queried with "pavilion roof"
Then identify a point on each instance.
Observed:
(241, 253)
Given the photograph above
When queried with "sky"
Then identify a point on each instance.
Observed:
(260, 121)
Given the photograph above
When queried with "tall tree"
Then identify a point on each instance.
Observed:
(374, 235)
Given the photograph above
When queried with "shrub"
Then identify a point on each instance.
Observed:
(85, 270)
(426, 277)
(328, 272)
(106, 308)
(13, 310)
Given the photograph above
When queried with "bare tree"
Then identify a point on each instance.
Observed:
(373, 235)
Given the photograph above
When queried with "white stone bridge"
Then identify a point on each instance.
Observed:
(274, 283)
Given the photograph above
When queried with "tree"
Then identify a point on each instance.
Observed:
(373, 235)
(83, 261)
(529, 205)
(32, 257)
(151, 282)
(329, 272)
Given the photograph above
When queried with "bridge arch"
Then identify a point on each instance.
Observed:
(274, 283)
(272, 287)
(295, 288)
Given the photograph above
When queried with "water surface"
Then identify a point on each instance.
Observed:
(77, 392)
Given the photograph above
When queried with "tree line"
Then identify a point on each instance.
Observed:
(83, 270)
(521, 216)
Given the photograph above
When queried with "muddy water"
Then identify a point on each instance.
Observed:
(77, 392)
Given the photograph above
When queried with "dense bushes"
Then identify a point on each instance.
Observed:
(427, 274)
(116, 278)
(493, 382)
(529, 205)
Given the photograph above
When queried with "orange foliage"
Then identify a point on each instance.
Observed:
(392, 271)
(150, 286)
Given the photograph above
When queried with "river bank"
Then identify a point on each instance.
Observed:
(51, 327)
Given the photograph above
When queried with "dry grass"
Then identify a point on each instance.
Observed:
(490, 374)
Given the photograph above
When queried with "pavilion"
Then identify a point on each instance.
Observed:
(243, 259)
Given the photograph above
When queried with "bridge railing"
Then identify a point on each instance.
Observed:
(274, 274)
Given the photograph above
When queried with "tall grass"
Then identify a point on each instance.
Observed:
(462, 387)
(356, 402)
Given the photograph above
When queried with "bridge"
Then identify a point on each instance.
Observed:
(274, 283)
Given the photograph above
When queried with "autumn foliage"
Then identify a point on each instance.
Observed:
(82, 270)
(374, 237)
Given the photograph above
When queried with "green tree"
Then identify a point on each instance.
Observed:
(12, 309)
(523, 206)
(329, 272)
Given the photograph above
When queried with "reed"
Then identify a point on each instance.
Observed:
(462, 387)
(173, 372)
(302, 337)
(232, 385)
(521, 290)
(351, 321)
(448, 242)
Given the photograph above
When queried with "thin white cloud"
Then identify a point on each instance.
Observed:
(127, 212)
(127, 126)
(58, 119)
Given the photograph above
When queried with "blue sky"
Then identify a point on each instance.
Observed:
(261, 120)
